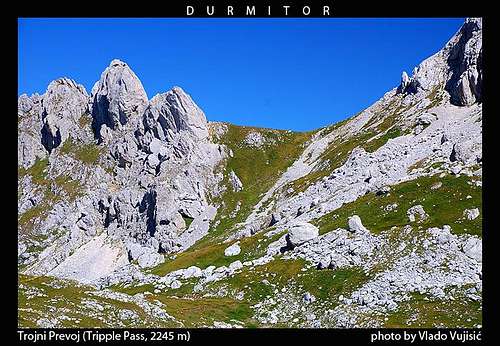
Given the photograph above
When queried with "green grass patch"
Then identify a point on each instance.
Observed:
(433, 313)
(202, 258)
(86, 153)
(251, 280)
(378, 142)
(445, 206)
(132, 289)
(38, 171)
(85, 121)
(213, 254)
(187, 220)
(325, 285)
(328, 285)
(257, 168)
(72, 188)
(204, 311)
(55, 298)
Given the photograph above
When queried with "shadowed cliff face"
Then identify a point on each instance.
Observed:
(117, 97)
(458, 66)
(465, 61)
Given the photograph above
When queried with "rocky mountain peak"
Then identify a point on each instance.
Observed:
(174, 112)
(65, 83)
(406, 81)
(117, 97)
(25, 104)
(465, 62)
(62, 105)
(457, 68)
(117, 63)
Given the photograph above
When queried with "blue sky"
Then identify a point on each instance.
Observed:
(297, 74)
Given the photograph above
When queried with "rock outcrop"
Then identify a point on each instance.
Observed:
(63, 104)
(147, 143)
(232, 250)
(29, 139)
(117, 98)
(457, 68)
(235, 181)
(174, 112)
(301, 232)
(465, 61)
(355, 224)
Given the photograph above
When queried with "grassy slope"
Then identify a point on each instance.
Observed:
(444, 205)
(324, 284)
(379, 129)
(427, 312)
(213, 254)
(258, 169)
(327, 285)
(55, 298)
(85, 153)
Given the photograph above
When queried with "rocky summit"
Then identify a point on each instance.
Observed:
(136, 212)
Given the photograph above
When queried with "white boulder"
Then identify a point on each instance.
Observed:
(232, 250)
(471, 214)
(148, 260)
(355, 224)
(235, 265)
(416, 210)
(301, 232)
(192, 272)
(473, 248)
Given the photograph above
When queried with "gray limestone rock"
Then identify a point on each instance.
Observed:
(63, 104)
(174, 112)
(236, 265)
(117, 97)
(192, 272)
(275, 218)
(355, 224)
(150, 259)
(254, 139)
(309, 298)
(29, 141)
(235, 181)
(232, 250)
(471, 214)
(416, 211)
(473, 248)
(465, 60)
(457, 68)
(301, 232)
(425, 119)
(466, 152)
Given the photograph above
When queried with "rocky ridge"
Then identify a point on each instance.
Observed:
(155, 162)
